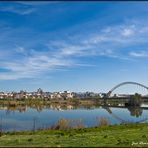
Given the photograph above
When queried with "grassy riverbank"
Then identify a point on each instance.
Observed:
(64, 104)
(104, 136)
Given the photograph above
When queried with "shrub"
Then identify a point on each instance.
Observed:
(30, 139)
(1, 133)
(61, 124)
(105, 136)
(77, 123)
(102, 121)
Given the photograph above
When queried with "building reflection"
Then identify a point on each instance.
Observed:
(134, 111)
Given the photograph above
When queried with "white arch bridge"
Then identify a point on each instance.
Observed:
(125, 83)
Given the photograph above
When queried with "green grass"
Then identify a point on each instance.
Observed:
(104, 136)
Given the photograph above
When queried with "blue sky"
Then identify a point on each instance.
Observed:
(77, 46)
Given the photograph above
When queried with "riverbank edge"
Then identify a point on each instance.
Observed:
(84, 129)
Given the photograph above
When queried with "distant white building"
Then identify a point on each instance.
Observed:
(67, 94)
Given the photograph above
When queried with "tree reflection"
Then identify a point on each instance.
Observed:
(135, 111)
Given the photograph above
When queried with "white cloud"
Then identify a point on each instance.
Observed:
(127, 32)
(139, 53)
(108, 42)
(17, 9)
(36, 3)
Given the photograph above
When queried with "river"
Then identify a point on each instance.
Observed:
(27, 118)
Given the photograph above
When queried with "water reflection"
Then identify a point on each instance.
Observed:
(21, 117)
(39, 108)
(134, 111)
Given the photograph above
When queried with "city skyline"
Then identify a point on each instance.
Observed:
(76, 46)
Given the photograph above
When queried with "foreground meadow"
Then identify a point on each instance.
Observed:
(124, 135)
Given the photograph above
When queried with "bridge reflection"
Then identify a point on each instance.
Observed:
(134, 111)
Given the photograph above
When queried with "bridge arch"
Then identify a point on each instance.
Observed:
(125, 83)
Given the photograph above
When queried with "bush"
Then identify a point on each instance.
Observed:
(77, 123)
(102, 121)
(61, 124)
(1, 133)
(30, 139)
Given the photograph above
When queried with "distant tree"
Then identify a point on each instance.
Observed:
(115, 96)
(135, 100)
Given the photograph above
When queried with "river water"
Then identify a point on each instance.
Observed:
(27, 118)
